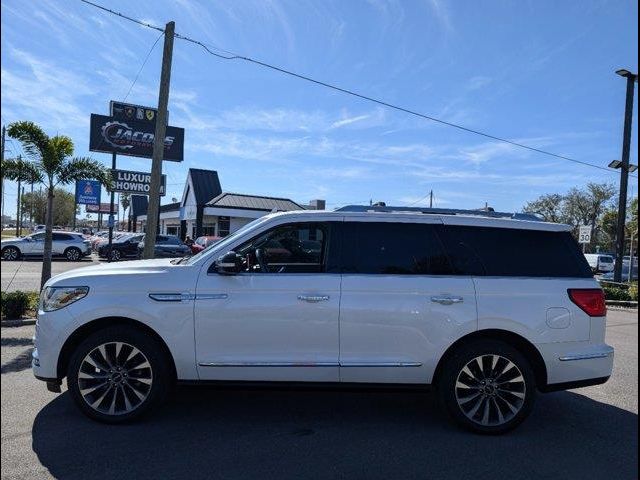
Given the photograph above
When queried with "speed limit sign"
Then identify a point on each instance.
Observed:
(584, 236)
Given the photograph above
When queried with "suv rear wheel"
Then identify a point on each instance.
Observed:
(117, 374)
(487, 386)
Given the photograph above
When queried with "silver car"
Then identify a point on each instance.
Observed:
(70, 245)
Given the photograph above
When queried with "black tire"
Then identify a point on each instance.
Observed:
(499, 390)
(118, 390)
(73, 254)
(11, 253)
(115, 255)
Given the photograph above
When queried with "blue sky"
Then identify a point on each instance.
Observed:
(537, 72)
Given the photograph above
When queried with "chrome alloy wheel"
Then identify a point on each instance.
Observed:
(115, 378)
(490, 390)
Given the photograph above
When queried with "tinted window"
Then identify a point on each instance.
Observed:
(606, 260)
(294, 248)
(38, 236)
(161, 239)
(513, 252)
(61, 236)
(393, 248)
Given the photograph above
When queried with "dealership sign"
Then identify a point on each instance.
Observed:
(129, 111)
(134, 182)
(102, 208)
(133, 137)
(88, 192)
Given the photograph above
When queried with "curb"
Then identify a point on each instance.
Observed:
(18, 323)
(621, 303)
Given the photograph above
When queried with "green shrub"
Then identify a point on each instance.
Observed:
(616, 293)
(633, 291)
(14, 305)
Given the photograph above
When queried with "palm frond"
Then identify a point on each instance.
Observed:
(83, 168)
(33, 139)
(20, 169)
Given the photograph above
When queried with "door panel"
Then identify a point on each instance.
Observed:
(392, 332)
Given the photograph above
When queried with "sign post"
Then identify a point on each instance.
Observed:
(111, 223)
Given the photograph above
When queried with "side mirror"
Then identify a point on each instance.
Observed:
(228, 264)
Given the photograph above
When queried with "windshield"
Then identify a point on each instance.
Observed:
(225, 241)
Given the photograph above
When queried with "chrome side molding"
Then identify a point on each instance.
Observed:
(309, 364)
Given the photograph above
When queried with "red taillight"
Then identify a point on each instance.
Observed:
(590, 300)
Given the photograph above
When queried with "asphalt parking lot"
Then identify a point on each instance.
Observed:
(231, 433)
(25, 274)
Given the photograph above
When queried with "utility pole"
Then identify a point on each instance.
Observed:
(4, 132)
(18, 210)
(624, 172)
(153, 210)
(111, 221)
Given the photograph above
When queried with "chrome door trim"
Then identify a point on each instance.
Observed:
(446, 299)
(309, 364)
(313, 298)
(380, 364)
(268, 364)
(211, 296)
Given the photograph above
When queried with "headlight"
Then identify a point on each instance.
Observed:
(55, 298)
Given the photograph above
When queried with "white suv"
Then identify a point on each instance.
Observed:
(487, 310)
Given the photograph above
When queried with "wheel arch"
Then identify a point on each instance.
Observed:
(524, 346)
(82, 332)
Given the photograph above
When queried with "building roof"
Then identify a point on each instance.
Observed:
(170, 207)
(139, 204)
(206, 184)
(253, 202)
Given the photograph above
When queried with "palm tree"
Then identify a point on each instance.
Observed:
(50, 158)
(17, 169)
(125, 201)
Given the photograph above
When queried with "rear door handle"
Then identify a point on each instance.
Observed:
(446, 299)
(313, 298)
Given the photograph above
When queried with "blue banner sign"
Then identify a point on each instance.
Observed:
(88, 192)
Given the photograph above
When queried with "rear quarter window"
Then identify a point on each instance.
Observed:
(484, 251)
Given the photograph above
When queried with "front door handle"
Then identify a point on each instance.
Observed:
(313, 298)
(446, 299)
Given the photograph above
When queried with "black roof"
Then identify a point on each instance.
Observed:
(169, 207)
(139, 204)
(206, 184)
(253, 202)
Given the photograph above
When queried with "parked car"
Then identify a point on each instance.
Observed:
(38, 228)
(488, 310)
(600, 263)
(625, 274)
(122, 247)
(203, 242)
(67, 244)
(167, 246)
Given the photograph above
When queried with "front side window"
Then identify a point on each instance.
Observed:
(392, 249)
(286, 249)
(38, 237)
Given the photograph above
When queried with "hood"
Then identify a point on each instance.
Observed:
(105, 271)
(13, 239)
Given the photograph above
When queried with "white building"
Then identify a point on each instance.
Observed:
(206, 210)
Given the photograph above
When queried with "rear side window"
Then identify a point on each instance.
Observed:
(61, 237)
(392, 249)
(483, 251)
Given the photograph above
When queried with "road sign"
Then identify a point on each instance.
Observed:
(128, 181)
(88, 192)
(133, 137)
(584, 236)
(111, 222)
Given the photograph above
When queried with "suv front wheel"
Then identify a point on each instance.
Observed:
(487, 386)
(117, 374)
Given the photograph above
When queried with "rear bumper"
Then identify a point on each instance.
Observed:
(576, 364)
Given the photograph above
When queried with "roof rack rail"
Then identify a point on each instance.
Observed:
(439, 211)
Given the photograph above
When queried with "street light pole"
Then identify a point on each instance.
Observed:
(624, 172)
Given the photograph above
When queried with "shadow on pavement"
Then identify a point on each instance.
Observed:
(19, 363)
(207, 432)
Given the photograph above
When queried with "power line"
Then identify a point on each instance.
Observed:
(142, 66)
(232, 56)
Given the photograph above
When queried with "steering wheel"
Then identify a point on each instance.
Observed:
(261, 261)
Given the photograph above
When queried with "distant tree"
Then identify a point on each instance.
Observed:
(125, 201)
(549, 207)
(52, 162)
(63, 205)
